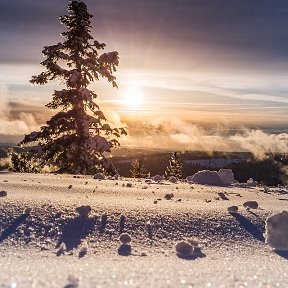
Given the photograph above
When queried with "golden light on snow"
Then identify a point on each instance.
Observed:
(132, 98)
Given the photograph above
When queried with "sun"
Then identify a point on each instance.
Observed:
(133, 97)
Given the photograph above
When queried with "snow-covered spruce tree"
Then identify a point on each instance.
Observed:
(138, 169)
(76, 138)
(175, 167)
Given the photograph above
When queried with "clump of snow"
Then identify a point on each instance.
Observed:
(194, 242)
(227, 176)
(232, 209)
(83, 210)
(249, 184)
(83, 249)
(157, 178)
(169, 196)
(251, 204)
(62, 249)
(223, 196)
(277, 231)
(73, 281)
(3, 193)
(125, 238)
(207, 177)
(144, 254)
(173, 179)
(99, 176)
(184, 249)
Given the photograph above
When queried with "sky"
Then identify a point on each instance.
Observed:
(215, 65)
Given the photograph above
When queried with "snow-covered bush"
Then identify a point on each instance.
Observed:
(77, 137)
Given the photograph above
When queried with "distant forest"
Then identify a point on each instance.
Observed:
(271, 171)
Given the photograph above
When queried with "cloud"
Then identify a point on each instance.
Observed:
(177, 134)
(12, 121)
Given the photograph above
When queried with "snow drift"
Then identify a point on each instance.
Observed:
(277, 231)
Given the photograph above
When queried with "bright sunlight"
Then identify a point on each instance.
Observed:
(133, 97)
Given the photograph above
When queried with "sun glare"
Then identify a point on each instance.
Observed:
(133, 97)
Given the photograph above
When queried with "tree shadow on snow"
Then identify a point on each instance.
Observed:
(75, 230)
(13, 226)
(249, 226)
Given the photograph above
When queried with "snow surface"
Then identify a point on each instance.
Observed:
(234, 252)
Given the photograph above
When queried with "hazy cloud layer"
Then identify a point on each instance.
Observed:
(177, 134)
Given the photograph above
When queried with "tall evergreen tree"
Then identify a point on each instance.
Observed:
(175, 167)
(76, 138)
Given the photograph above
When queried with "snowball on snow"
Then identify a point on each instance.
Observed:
(277, 231)
(184, 249)
(206, 177)
(227, 176)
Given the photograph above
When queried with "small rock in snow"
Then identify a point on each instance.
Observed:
(129, 185)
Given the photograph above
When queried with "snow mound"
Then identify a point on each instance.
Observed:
(157, 178)
(277, 231)
(227, 176)
(173, 179)
(207, 177)
(99, 176)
